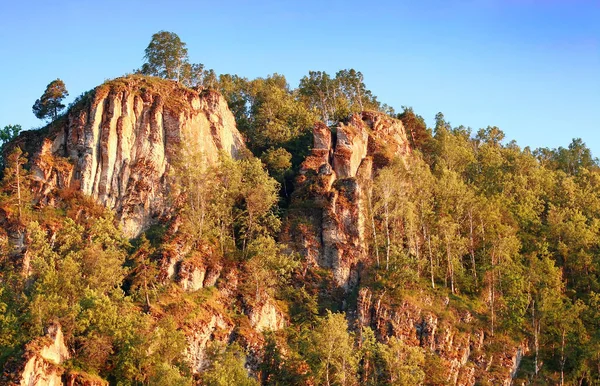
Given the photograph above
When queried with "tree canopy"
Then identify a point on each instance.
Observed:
(50, 103)
(166, 56)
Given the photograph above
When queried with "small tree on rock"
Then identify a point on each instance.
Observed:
(50, 103)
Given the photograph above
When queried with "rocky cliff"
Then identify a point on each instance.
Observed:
(453, 334)
(328, 224)
(40, 364)
(336, 178)
(118, 143)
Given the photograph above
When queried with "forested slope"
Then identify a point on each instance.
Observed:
(246, 232)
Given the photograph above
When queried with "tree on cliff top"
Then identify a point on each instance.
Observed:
(166, 56)
(50, 103)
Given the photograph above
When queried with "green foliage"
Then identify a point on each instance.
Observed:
(9, 324)
(416, 128)
(278, 161)
(224, 204)
(9, 132)
(333, 99)
(227, 367)
(50, 103)
(144, 271)
(403, 363)
(575, 158)
(15, 190)
(331, 354)
(167, 57)
(267, 266)
(517, 228)
(269, 114)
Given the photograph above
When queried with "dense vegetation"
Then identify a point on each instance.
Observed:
(511, 234)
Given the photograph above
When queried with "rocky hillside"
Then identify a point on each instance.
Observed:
(117, 145)
(155, 248)
(331, 233)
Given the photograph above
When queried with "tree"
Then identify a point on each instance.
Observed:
(144, 270)
(276, 117)
(370, 357)
(226, 367)
(166, 55)
(416, 128)
(335, 98)
(387, 189)
(279, 164)
(351, 86)
(317, 91)
(15, 190)
(258, 196)
(403, 363)
(267, 266)
(9, 132)
(50, 103)
(334, 359)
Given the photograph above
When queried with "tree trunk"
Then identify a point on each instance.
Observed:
(450, 264)
(428, 236)
(387, 234)
(493, 294)
(327, 382)
(472, 246)
(146, 289)
(562, 357)
(536, 334)
(360, 103)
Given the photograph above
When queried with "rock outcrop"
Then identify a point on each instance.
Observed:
(266, 317)
(336, 178)
(118, 143)
(463, 358)
(201, 333)
(40, 364)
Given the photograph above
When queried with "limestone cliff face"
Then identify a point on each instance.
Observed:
(40, 365)
(43, 364)
(337, 178)
(117, 145)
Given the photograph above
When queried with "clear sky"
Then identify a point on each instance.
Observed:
(530, 67)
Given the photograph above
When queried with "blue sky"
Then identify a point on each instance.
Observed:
(530, 67)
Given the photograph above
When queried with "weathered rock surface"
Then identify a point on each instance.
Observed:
(336, 178)
(118, 144)
(462, 351)
(266, 317)
(40, 365)
(199, 271)
(201, 334)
